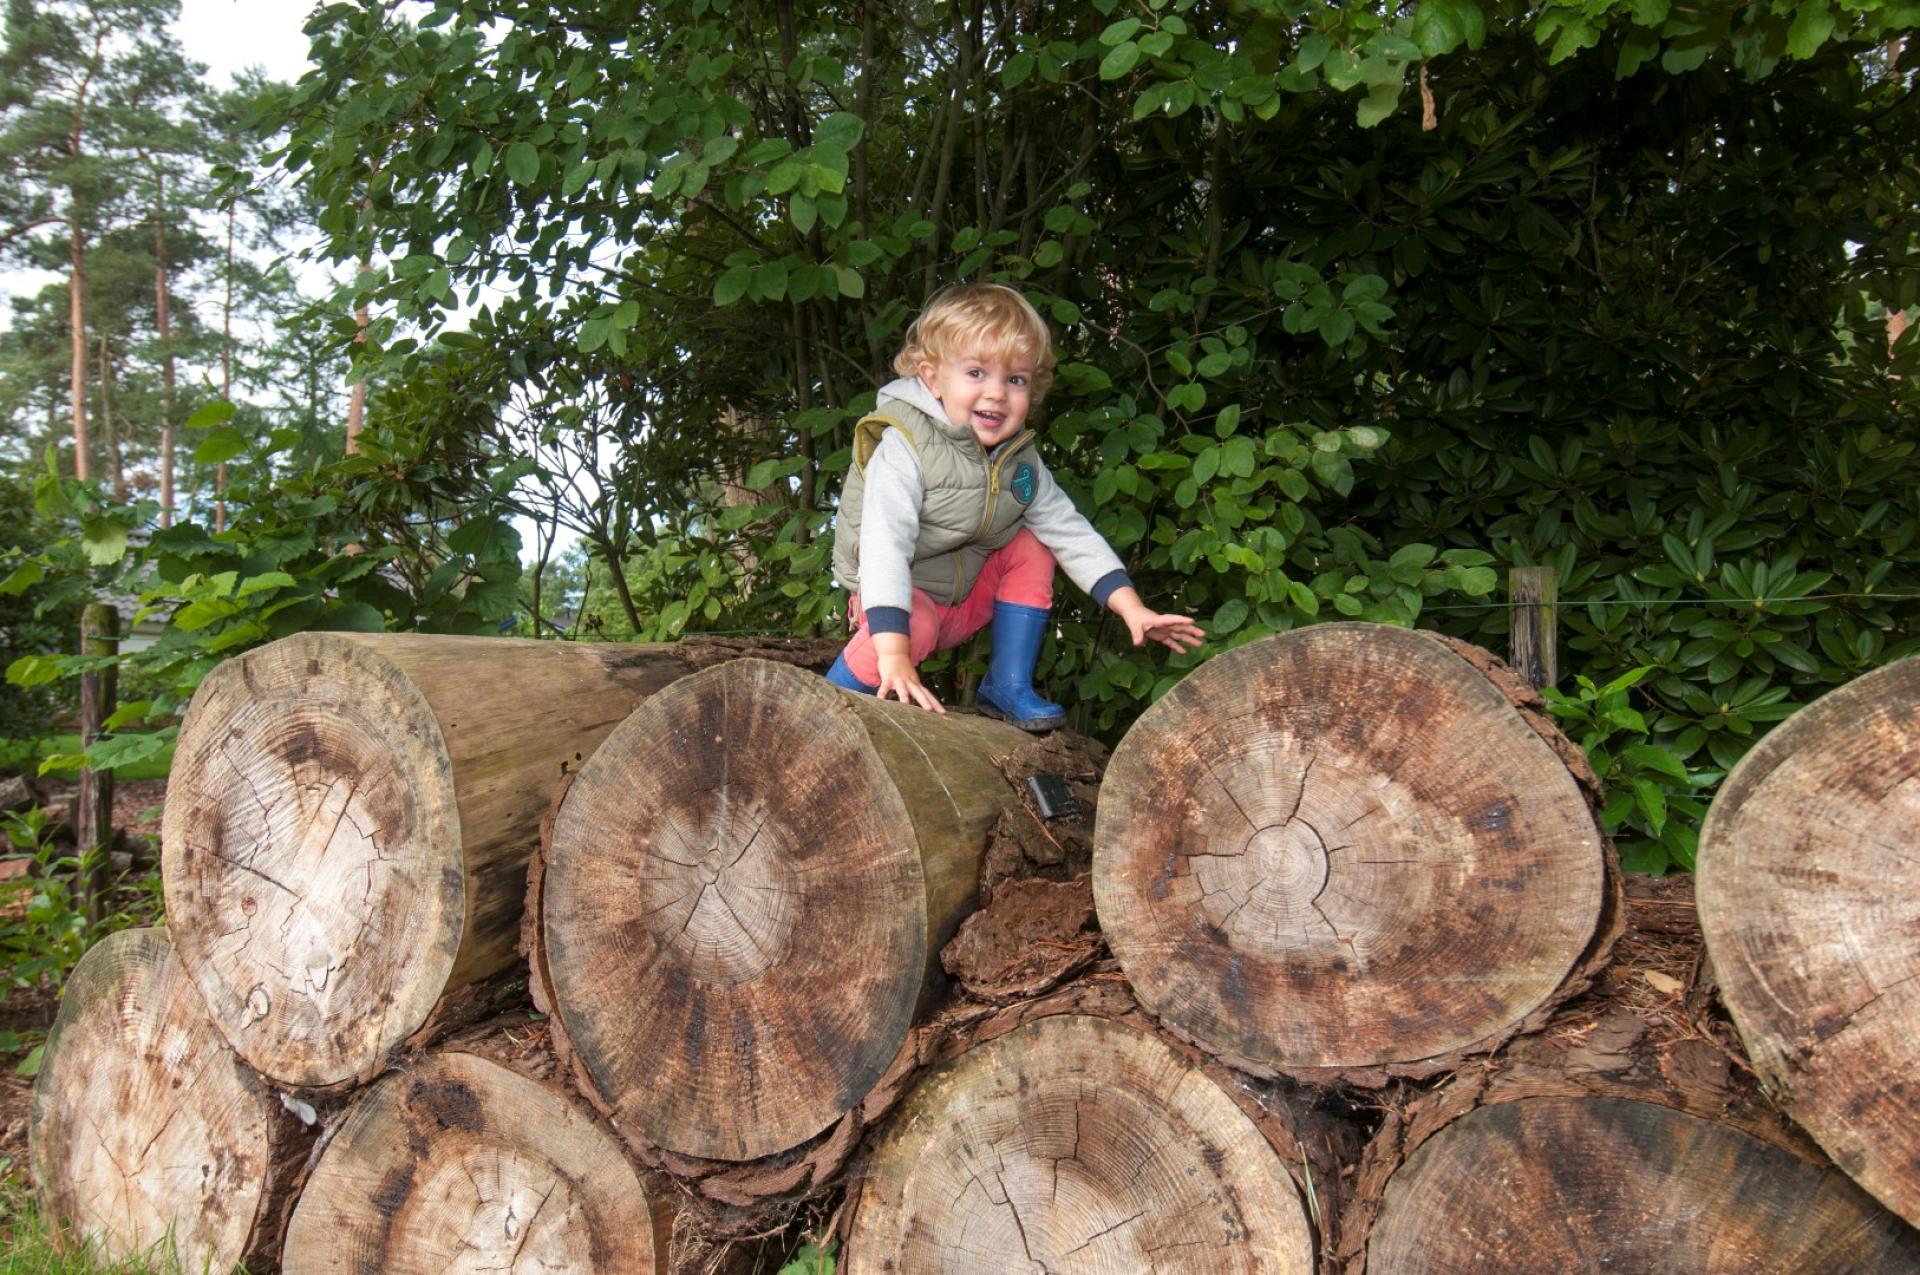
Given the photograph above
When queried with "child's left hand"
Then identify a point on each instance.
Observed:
(1175, 632)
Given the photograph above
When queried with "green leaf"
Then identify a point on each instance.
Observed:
(29, 1067)
(34, 670)
(841, 130)
(22, 578)
(1313, 51)
(1121, 30)
(124, 750)
(1231, 615)
(768, 472)
(732, 285)
(523, 163)
(1375, 107)
(851, 284)
(1812, 26)
(105, 541)
(351, 617)
(1120, 59)
(1018, 69)
(218, 412)
(221, 445)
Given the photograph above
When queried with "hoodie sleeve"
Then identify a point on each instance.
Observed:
(889, 526)
(1082, 552)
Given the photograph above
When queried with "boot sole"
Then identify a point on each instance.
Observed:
(1035, 724)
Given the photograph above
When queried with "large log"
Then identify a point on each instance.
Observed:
(1076, 1144)
(148, 1136)
(1626, 1135)
(744, 900)
(348, 825)
(1351, 851)
(1810, 899)
(457, 1163)
(1587, 1184)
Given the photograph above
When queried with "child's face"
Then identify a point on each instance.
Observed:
(988, 393)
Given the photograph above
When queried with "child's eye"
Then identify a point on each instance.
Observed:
(1018, 379)
(975, 373)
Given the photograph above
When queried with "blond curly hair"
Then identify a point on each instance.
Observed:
(986, 320)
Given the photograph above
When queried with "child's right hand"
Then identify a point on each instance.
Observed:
(899, 678)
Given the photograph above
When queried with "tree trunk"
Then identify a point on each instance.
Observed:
(115, 459)
(77, 321)
(1628, 1135)
(163, 319)
(349, 821)
(1810, 900)
(1076, 1144)
(1342, 854)
(146, 1129)
(744, 901)
(226, 375)
(459, 1163)
(93, 800)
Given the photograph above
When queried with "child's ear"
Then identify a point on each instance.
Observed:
(929, 375)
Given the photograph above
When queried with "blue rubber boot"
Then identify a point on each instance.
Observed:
(1007, 691)
(841, 675)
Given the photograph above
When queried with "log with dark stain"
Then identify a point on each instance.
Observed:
(1810, 898)
(1348, 853)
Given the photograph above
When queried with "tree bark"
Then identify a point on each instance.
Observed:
(93, 801)
(1342, 854)
(456, 1162)
(1810, 900)
(77, 321)
(226, 374)
(1076, 1144)
(146, 1130)
(163, 320)
(349, 822)
(115, 459)
(744, 900)
(1627, 1135)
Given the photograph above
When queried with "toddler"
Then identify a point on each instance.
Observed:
(949, 518)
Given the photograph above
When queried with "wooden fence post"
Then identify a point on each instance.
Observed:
(93, 813)
(1533, 625)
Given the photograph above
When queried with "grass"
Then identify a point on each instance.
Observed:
(25, 755)
(26, 1247)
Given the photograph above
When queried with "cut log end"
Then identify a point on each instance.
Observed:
(1809, 896)
(146, 1131)
(459, 1164)
(1342, 847)
(1075, 1144)
(765, 863)
(1578, 1184)
(312, 852)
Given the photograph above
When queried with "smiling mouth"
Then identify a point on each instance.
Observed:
(994, 419)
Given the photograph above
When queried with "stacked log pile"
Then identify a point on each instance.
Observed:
(1322, 977)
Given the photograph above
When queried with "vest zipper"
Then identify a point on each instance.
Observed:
(993, 478)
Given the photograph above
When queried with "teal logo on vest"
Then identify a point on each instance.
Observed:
(1022, 484)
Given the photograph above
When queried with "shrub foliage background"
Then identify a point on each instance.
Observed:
(1357, 306)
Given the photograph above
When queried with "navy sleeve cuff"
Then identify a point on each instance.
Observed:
(892, 619)
(1104, 587)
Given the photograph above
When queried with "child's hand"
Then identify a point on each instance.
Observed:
(1175, 632)
(899, 678)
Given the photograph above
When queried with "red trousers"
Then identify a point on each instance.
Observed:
(1020, 572)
